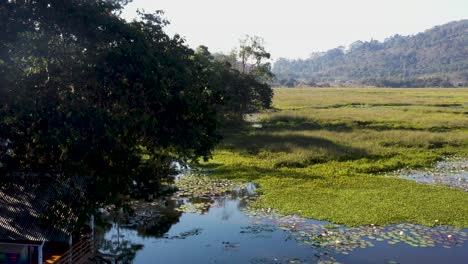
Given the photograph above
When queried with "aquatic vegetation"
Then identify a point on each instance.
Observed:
(327, 242)
(329, 239)
(258, 229)
(230, 245)
(323, 153)
(263, 213)
(273, 260)
(197, 208)
(451, 172)
(418, 235)
(325, 238)
(201, 190)
(204, 186)
(186, 234)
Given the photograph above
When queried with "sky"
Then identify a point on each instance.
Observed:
(296, 28)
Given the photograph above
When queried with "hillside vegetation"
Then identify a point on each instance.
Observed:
(434, 58)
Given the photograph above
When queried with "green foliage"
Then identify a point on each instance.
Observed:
(85, 93)
(252, 54)
(322, 155)
(242, 92)
(434, 58)
(199, 186)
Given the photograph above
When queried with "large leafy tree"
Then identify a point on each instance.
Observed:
(254, 58)
(85, 94)
(242, 77)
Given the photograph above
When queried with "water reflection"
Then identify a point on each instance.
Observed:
(151, 219)
(223, 229)
(116, 249)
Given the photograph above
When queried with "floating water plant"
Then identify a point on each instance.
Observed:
(198, 208)
(186, 234)
(204, 186)
(329, 239)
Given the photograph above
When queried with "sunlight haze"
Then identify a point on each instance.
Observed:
(295, 28)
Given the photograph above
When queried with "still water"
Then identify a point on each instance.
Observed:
(225, 230)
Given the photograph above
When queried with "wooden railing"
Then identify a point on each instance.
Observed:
(80, 253)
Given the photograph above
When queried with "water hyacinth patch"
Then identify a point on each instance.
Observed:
(197, 192)
(326, 238)
(329, 239)
(204, 186)
(326, 241)
(319, 145)
(196, 208)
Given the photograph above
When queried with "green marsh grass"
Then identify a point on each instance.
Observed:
(322, 154)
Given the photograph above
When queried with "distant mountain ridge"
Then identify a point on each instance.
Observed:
(437, 57)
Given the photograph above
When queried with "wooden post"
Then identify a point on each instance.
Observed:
(70, 244)
(41, 253)
(91, 223)
(91, 239)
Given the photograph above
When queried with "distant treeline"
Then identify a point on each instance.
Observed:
(435, 58)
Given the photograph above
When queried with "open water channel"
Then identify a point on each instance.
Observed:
(210, 221)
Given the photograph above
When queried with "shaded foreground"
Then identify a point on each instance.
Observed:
(323, 154)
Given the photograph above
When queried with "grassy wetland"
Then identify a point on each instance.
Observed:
(326, 153)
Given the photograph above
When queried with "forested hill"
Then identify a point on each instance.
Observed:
(437, 57)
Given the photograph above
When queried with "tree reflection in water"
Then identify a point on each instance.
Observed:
(149, 219)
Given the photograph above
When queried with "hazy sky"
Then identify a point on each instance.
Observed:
(295, 28)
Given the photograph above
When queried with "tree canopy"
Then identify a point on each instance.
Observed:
(245, 75)
(85, 94)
